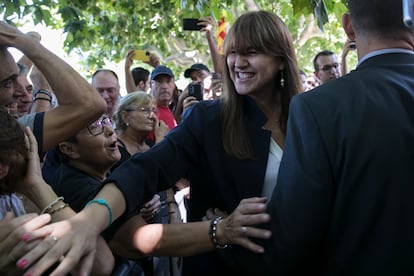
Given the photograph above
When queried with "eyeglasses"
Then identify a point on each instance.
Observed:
(328, 67)
(97, 127)
(144, 110)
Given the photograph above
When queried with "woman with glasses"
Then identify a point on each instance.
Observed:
(135, 119)
(85, 162)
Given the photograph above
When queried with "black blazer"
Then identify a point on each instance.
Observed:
(194, 149)
(344, 202)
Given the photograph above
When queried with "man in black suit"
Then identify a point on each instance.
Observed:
(344, 202)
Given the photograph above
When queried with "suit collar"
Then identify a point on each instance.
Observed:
(390, 56)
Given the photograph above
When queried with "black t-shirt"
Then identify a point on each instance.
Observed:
(78, 189)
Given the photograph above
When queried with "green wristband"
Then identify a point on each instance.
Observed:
(102, 202)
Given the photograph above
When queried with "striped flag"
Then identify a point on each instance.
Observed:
(221, 32)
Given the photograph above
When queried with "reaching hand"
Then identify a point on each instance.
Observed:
(69, 238)
(188, 102)
(213, 213)
(13, 234)
(150, 208)
(160, 129)
(34, 172)
(154, 60)
(238, 226)
(208, 25)
(129, 59)
(348, 47)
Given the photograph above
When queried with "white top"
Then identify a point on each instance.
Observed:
(272, 170)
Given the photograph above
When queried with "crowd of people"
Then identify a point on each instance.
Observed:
(254, 177)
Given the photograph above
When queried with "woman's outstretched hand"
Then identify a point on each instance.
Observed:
(240, 226)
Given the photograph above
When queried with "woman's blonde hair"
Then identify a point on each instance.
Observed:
(266, 33)
(129, 102)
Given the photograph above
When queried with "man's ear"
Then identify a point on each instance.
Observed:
(69, 149)
(4, 170)
(347, 26)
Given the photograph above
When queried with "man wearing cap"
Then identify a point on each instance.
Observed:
(162, 88)
(198, 72)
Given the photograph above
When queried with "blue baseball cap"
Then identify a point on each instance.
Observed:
(161, 70)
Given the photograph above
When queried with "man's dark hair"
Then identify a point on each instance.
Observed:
(380, 18)
(140, 74)
(323, 53)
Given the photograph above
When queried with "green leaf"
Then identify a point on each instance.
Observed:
(301, 7)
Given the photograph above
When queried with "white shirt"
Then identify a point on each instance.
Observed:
(272, 169)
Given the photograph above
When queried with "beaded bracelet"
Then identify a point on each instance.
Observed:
(102, 202)
(49, 207)
(61, 207)
(213, 233)
(44, 92)
(44, 99)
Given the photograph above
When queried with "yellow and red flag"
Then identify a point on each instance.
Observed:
(221, 32)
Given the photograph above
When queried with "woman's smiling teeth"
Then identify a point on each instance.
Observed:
(244, 76)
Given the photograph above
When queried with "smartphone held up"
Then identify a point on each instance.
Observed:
(191, 24)
(194, 90)
(142, 55)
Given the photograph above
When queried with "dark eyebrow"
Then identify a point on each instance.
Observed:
(12, 77)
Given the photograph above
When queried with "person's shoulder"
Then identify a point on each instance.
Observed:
(203, 112)
(68, 174)
(209, 105)
(332, 88)
(205, 106)
(329, 96)
(29, 119)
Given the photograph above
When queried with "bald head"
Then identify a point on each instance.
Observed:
(106, 83)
